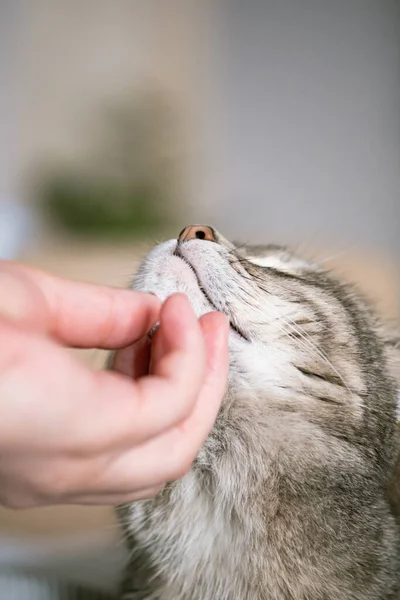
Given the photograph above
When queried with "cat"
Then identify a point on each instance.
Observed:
(288, 499)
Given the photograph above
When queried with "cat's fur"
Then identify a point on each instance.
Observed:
(287, 498)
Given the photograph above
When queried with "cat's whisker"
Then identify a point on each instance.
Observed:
(307, 343)
(333, 257)
(239, 247)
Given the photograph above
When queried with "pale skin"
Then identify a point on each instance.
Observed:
(69, 434)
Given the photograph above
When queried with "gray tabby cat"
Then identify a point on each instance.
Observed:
(288, 498)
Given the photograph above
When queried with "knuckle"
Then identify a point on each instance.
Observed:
(19, 497)
(180, 465)
(185, 406)
(51, 487)
(55, 483)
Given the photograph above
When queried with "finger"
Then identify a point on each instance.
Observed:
(169, 396)
(22, 497)
(21, 300)
(76, 314)
(143, 471)
(177, 365)
(170, 455)
(93, 410)
(161, 400)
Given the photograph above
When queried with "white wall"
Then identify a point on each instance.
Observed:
(9, 97)
(302, 111)
(60, 60)
(296, 103)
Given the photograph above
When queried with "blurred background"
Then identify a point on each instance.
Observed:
(123, 121)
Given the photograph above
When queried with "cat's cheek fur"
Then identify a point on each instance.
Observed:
(286, 499)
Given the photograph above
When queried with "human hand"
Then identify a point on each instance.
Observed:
(72, 435)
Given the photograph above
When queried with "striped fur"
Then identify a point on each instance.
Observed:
(288, 497)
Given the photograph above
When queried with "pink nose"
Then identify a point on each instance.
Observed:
(200, 232)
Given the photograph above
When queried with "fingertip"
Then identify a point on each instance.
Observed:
(215, 328)
(151, 304)
(154, 301)
(215, 322)
(179, 317)
(179, 304)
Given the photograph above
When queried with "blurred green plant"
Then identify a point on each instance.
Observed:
(128, 183)
(101, 209)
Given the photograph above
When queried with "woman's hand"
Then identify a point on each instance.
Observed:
(72, 435)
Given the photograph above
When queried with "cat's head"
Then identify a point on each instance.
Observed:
(300, 341)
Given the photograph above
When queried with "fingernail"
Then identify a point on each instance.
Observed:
(184, 307)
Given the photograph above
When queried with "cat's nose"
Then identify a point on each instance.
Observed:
(199, 232)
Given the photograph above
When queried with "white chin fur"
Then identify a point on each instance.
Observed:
(163, 274)
(255, 366)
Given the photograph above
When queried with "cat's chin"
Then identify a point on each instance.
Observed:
(166, 271)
